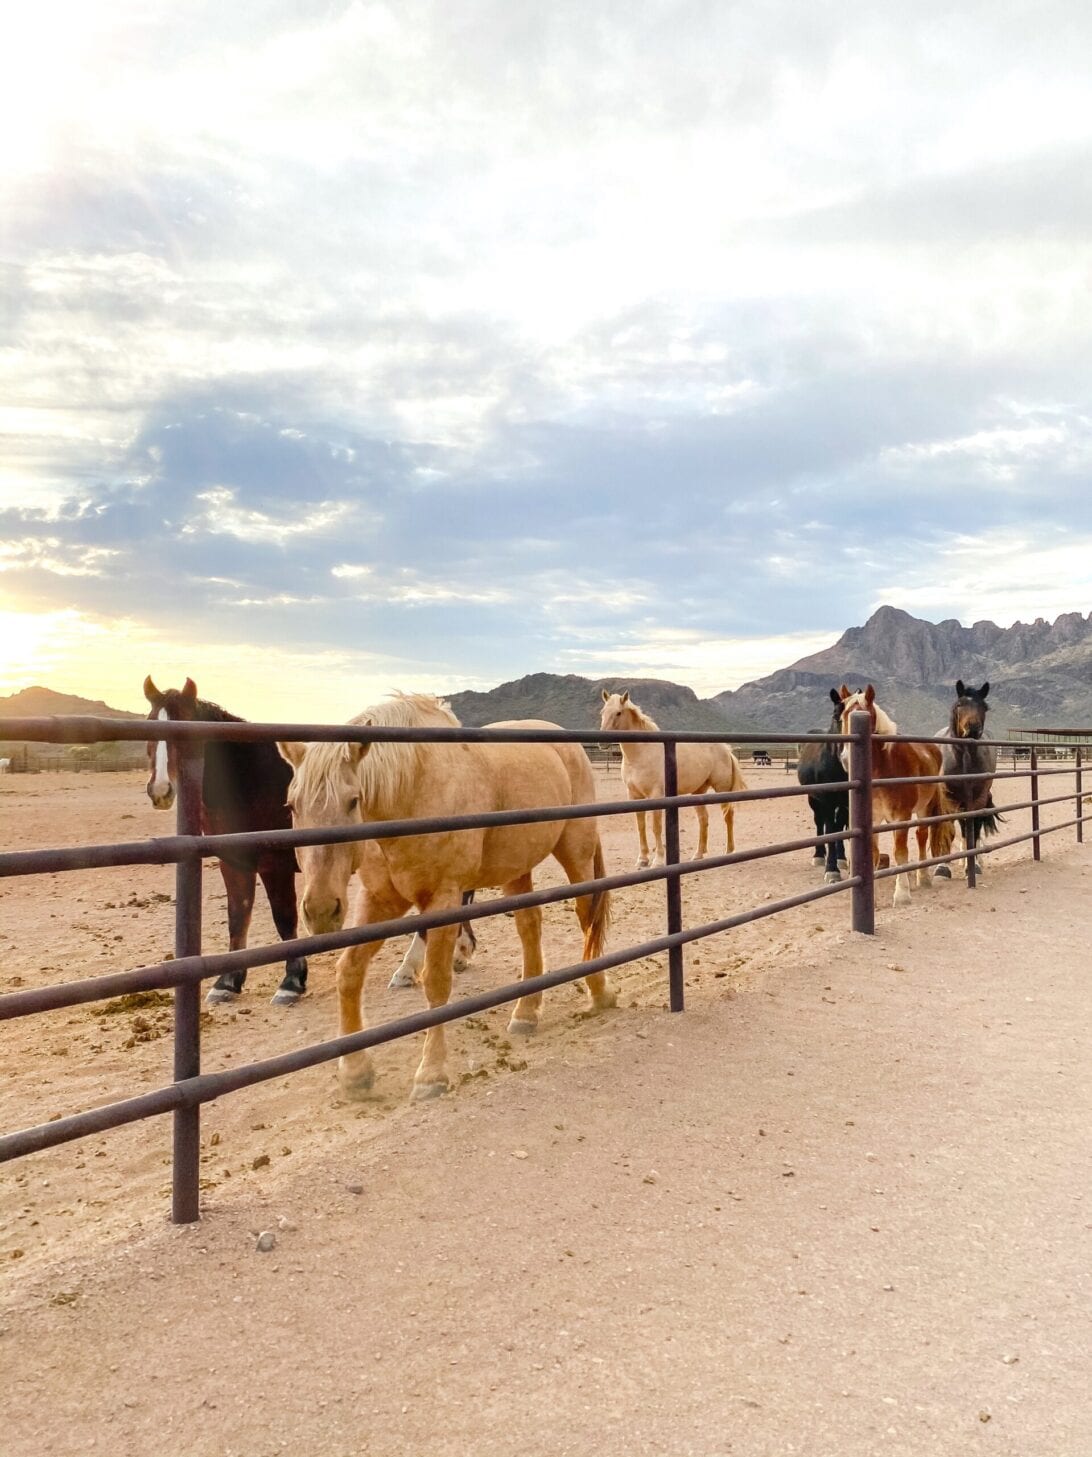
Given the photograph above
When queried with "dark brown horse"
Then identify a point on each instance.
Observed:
(822, 764)
(971, 798)
(243, 787)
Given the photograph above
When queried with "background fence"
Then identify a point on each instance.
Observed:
(191, 1088)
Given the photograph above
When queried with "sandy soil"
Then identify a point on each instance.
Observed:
(598, 1242)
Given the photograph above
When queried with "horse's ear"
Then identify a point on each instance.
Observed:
(625, 696)
(354, 753)
(843, 693)
(984, 690)
(606, 696)
(189, 689)
(835, 698)
(960, 690)
(151, 692)
(870, 695)
(292, 753)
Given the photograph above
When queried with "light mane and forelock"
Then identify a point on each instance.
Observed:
(386, 770)
(885, 724)
(644, 720)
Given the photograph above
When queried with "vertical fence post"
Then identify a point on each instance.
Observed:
(1080, 798)
(185, 1173)
(860, 821)
(1034, 804)
(971, 824)
(674, 886)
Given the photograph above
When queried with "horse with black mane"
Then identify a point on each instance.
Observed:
(822, 764)
(243, 787)
(974, 754)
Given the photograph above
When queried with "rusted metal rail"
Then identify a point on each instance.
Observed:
(187, 848)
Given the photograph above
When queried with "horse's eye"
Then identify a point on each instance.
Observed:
(353, 806)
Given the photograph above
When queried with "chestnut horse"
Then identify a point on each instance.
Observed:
(341, 784)
(896, 802)
(702, 768)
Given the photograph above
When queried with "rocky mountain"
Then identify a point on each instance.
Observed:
(1040, 673)
(40, 702)
(574, 702)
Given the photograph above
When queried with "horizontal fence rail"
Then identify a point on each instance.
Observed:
(187, 849)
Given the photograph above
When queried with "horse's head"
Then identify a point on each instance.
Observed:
(618, 712)
(325, 793)
(863, 701)
(968, 716)
(179, 704)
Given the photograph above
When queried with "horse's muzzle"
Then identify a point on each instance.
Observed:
(162, 799)
(322, 917)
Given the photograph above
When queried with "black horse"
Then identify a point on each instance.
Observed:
(971, 798)
(243, 787)
(822, 764)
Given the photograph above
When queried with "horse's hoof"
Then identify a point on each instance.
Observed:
(285, 997)
(522, 1027)
(425, 1092)
(817, 862)
(642, 862)
(359, 1089)
(942, 872)
(215, 995)
(400, 980)
(832, 877)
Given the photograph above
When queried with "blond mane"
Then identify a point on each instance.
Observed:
(644, 720)
(387, 770)
(885, 724)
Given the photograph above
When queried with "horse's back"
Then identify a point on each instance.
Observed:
(529, 764)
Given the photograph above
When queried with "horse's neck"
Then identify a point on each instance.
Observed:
(212, 713)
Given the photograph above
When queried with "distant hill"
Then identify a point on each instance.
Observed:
(44, 702)
(1040, 673)
(574, 702)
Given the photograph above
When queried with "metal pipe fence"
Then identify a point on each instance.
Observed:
(188, 848)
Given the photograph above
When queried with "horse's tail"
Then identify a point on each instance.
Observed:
(595, 934)
(738, 781)
(989, 820)
(942, 837)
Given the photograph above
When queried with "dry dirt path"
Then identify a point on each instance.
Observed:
(843, 1210)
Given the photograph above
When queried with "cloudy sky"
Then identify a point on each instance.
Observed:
(355, 346)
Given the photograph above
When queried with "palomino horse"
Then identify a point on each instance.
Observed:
(822, 764)
(702, 768)
(972, 798)
(242, 788)
(341, 784)
(896, 802)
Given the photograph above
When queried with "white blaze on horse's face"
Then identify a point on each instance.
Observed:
(328, 801)
(854, 704)
(160, 788)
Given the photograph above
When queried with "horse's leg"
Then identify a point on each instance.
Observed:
(430, 1079)
(658, 856)
(642, 858)
(819, 816)
(355, 1070)
(593, 913)
(409, 969)
(239, 885)
(466, 942)
(902, 857)
(279, 878)
(728, 814)
(703, 829)
(831, 874)
(412, 964)
(525, 1013)
(922, 833)
(840, 820)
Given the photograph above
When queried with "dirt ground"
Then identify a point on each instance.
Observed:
(841, 1206)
